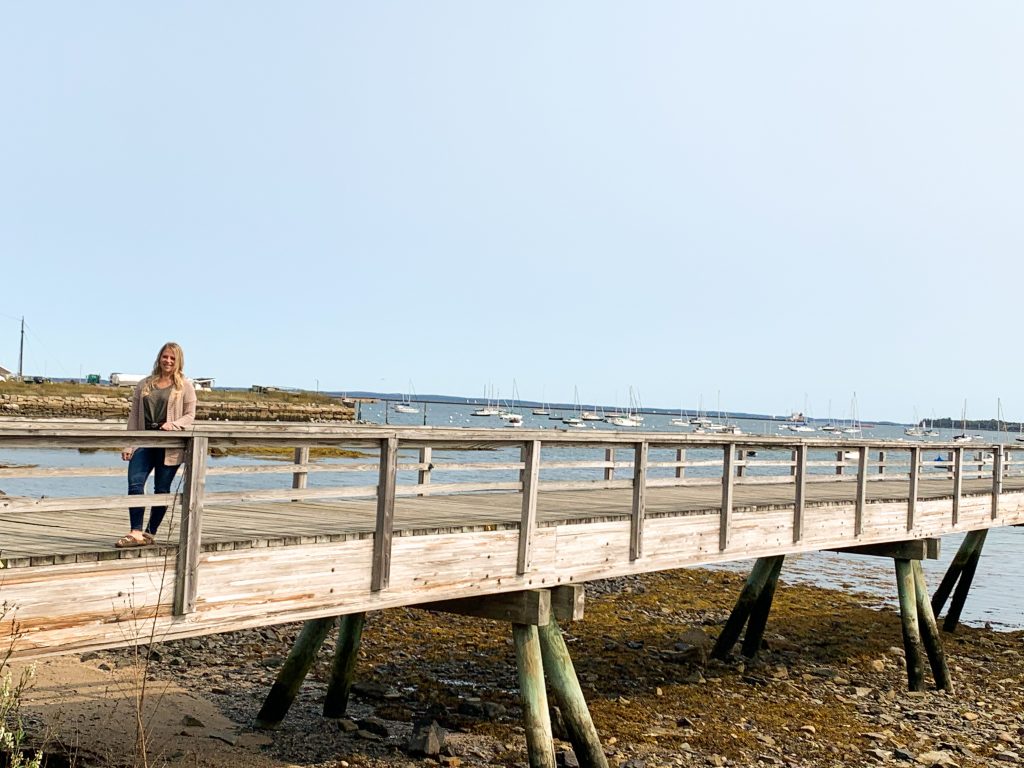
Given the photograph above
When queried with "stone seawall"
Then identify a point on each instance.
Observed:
(116, 407)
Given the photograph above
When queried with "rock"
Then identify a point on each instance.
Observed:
(88, 655)
(567, 759)
(450, 761)
(935, 758)
(369, 689)
(633, 762)
(879, 754)
(877, 665)
(902, 754)
(227, 738)
(969, 716)
(192, 722)
(471, 706)
(809, 729)
(367, 735)
(347, 726)
(426, 739)
(374, 725)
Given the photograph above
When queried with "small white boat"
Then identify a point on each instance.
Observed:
(405, 408)
(591, 416)
(485, 411)
(623, 421)
(572, 421)
(798, 427)
(541, 412)
(511, 418)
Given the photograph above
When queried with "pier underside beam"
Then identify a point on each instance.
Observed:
(960, 574)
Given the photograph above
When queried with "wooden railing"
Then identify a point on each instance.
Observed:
(533, 462)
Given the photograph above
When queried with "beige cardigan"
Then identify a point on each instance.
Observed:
(181, 412)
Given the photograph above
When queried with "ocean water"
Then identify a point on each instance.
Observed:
(994, 599)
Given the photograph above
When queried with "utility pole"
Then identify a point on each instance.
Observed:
(21, 352)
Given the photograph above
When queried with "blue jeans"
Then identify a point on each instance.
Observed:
(144, 461)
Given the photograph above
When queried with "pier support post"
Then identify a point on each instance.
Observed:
(565, 685)
(765, 569)
(759, 614)
(911, 629)
(293, 672)
(960, 574)
(536, 718)
(930, 630)
(350, 633)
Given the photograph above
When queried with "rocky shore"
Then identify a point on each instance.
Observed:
(111, 403)
(827, 690)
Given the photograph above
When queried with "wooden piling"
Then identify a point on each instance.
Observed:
(963, 585)
(744, 605)
(293, 672)
(759, 613)
(536, 718)
(972, 543)
(565, 685)
(350, 633)
(930, 630)
(911, 628)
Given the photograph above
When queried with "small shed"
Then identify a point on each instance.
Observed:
(203, 383)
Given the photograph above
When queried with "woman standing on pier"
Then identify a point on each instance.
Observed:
(164, 400)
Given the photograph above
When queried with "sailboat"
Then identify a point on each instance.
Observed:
(406, 405)
(488, 409)
(854, 426)
(574, 420)
(963, 437)
(510, 415)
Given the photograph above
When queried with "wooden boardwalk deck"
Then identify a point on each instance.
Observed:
(250, 558)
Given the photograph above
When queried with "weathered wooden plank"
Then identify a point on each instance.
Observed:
(528, 520)
(914, 549)
(381, 567)
(728, 478)
(531, 606)
(639, 509)
(800, 483)
(190, 528)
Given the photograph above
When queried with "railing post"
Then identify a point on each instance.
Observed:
(680, 458)
(915, 481)
(423, 476)
(300, 478)
(958, 481)
(862, 490)
(636, 520)
(741, 456)
(800, 502)
(609, 456)
(191, 526)
(997, 479)
(380, 574)
(528, 520)
(840, 458)
(727, 488)
(881, 462)
(793, 458)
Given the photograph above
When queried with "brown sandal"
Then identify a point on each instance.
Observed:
(128, 540)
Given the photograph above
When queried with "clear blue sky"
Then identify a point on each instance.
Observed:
(761, 200)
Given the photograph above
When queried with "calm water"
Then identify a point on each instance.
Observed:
(994, 597)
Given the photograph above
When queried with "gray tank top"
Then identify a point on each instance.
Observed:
(156, 406)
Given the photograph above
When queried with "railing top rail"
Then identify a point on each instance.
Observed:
(238, 433)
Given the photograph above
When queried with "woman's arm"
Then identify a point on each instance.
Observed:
(134, 419)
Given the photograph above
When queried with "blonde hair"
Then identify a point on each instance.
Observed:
(179, 367)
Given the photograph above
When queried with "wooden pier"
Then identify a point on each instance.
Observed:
(305, 550)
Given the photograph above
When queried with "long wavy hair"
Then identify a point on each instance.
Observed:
(179, 368)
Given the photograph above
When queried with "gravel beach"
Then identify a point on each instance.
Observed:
(828, 689)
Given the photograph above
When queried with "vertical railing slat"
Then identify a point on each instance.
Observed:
(426, 459)
(997, 479)
(528, 520)
(300, 478)
(380, 575)
(728, 477)
(636, 519)
(862, 490)
(800, 502)
(609, 456)
(190, 529)
(958, 481)
(915, 482)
